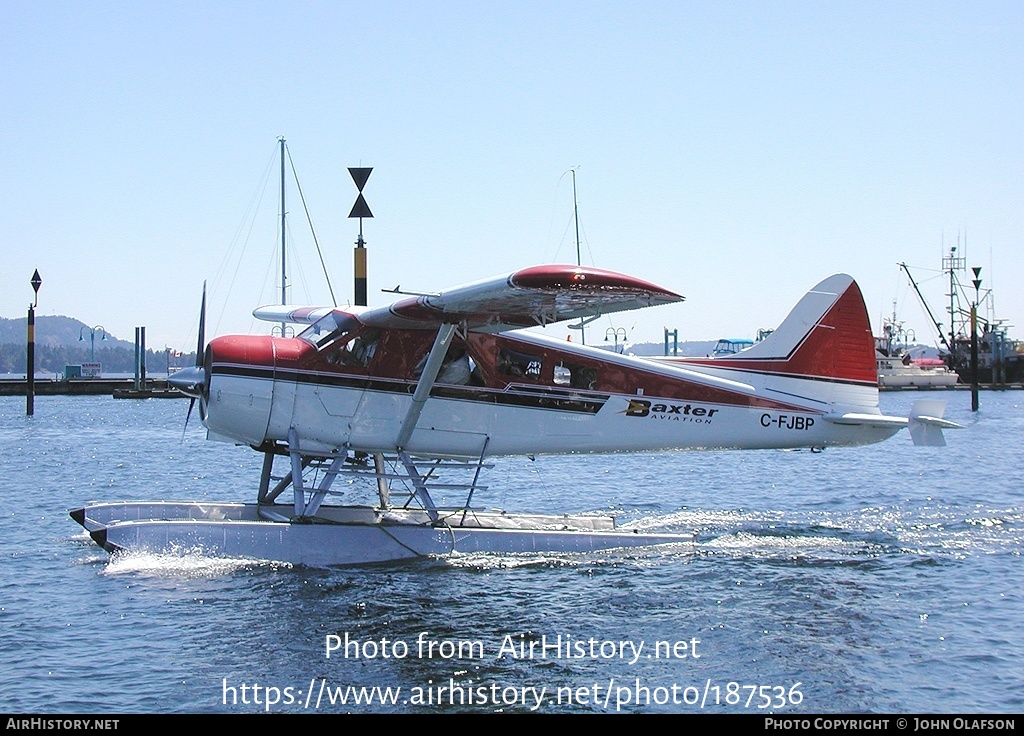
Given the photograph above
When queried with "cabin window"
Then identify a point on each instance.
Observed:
(457, 369)
(575, 376)
(328, 329)
(357, 352)
(519, 365)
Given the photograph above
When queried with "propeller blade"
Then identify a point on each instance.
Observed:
(191, 381)
(191, 403)
(201, 348)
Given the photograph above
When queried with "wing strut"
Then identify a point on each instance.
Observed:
(304, 508)
(383, 490)
(425, 383)
(419, 483)
(268, 495)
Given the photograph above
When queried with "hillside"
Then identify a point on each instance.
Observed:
(58, 330)
(63, 341)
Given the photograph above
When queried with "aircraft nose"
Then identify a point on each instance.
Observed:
(189, 381)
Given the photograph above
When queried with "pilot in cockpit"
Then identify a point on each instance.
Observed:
(456, 368)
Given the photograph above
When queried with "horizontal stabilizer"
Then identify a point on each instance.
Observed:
(925, 422)
(869, 420)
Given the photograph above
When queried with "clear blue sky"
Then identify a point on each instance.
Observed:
(734, 152)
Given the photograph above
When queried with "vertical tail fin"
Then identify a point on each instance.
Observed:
(827, 335)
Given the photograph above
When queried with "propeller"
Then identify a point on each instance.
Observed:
(194, 382)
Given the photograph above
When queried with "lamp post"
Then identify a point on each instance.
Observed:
(30, 348)
(92, 338)
(614, 332)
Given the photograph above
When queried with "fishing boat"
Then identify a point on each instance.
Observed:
(897, 366)
(906, 372)
(1000, 359)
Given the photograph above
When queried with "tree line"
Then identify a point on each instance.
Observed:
(55, 358)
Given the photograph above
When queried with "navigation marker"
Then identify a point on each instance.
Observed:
(360, 209)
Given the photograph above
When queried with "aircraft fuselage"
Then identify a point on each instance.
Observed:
(519, 393)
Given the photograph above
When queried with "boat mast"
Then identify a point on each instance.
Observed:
(579, 262)
(576, 216)
(284, 272)
(951, 264)
(924, 303)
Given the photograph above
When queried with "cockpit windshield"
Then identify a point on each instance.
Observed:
(327, 329)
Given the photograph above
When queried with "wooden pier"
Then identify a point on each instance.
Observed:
(119, 388)
(957, 387)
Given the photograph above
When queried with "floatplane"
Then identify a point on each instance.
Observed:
(418, 397)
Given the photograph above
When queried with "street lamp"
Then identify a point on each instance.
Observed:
(92, 338)
(30, 347)
(614, 332)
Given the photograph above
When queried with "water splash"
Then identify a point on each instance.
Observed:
(179, 562)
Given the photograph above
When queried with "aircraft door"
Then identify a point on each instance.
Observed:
(282, 411)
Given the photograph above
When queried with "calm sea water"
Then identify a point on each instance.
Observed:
(879, 579)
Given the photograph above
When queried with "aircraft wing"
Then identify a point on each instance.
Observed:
(290, 314)
(539, 295)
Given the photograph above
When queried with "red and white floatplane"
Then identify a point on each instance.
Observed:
(416, 397)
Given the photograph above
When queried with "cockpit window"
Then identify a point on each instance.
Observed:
(327, 329)
(457, 368)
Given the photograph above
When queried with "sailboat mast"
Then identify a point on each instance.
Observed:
(576, 216)
(579, 262)
(284, 271)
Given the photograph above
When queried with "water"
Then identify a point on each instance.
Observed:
(877, 579)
